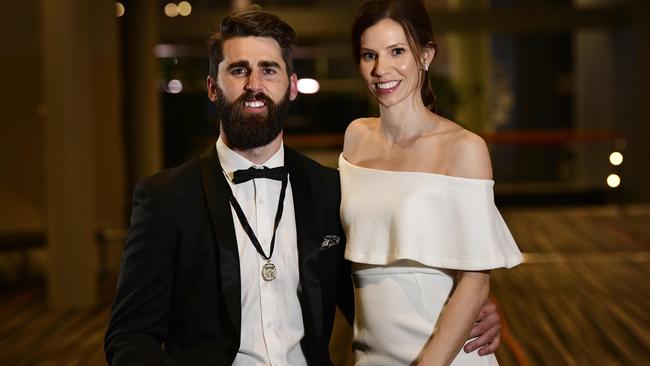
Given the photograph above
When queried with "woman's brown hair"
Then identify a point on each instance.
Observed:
(414, 19)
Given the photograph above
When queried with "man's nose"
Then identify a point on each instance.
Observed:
(254, 82)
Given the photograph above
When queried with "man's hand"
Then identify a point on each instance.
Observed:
(488, 330)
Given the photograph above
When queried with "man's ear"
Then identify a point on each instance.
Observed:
(293, 82)
(212, 89)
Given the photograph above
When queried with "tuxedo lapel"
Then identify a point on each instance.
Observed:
(225, 243)
(308, 245)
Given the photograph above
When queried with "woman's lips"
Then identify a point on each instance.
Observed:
(387, 87)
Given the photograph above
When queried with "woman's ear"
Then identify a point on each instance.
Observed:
(428, 54)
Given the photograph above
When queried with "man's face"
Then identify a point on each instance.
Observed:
(252, 91)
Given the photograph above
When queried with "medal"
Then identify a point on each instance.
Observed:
(269, 271)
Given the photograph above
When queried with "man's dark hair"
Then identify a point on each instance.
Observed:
(252, 24)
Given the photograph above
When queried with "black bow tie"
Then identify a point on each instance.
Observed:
(244, 175)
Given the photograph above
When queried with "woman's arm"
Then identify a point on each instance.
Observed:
(468, 157)
(456, 319)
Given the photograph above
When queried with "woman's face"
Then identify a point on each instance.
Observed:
(388, 65)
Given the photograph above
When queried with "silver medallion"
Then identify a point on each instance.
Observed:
(269, 271)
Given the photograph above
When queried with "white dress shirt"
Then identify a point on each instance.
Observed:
(271, 317)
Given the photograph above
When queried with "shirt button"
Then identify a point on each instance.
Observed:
(261, 201)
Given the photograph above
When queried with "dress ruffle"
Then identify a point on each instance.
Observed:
(437, 220)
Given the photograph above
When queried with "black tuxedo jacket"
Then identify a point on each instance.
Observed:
(178, 294)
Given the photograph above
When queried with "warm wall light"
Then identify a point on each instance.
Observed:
(184, 8)
(613, 180)
(616, 158)
(308, 86)
(171, 10)
(174, 86)
(119, 9)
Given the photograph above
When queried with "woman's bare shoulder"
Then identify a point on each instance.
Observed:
(361, 125)
(356, 131)
(469, 154)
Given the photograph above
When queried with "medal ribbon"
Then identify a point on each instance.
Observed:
(247, 228)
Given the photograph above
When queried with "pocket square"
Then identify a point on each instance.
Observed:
(329, 241)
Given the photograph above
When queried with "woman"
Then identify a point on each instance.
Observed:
(417, 204)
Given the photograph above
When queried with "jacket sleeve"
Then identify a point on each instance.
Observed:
(345, 301)
(138, 324)
(345, 290)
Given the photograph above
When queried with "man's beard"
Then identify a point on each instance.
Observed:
(246, 130)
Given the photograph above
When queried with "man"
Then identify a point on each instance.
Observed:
(236, 257)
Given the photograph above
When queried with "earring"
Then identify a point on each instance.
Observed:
(426, 67)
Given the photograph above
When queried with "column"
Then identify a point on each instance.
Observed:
(469, 55)
(69, 154)
(142, 92)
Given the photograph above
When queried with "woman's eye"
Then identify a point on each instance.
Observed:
(368, 56)
(398, 51)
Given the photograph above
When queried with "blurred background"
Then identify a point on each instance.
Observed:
(98, 94)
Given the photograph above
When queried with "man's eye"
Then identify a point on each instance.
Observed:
(238, 71)
(368, 56)
(268, 71)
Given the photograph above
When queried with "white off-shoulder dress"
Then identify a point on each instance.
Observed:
(406, 234)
